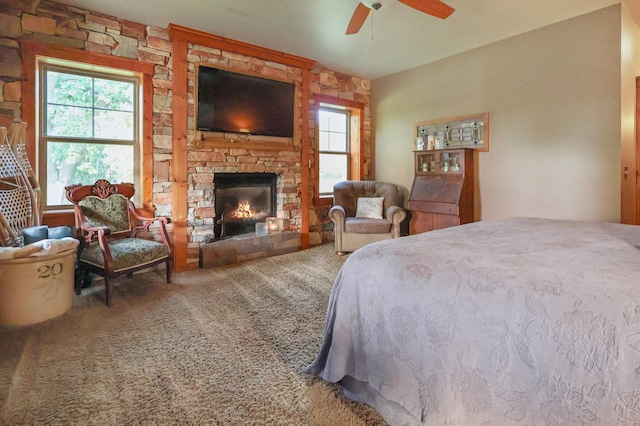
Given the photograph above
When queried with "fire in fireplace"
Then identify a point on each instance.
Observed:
(242, 200)
(244, 211)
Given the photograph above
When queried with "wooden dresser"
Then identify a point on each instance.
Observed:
(442, 193)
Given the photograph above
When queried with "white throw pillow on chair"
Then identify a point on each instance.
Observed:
(369, 207)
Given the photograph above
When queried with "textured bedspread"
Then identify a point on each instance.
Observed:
(523, 321)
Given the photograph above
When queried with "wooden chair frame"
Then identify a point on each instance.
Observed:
(87, 233)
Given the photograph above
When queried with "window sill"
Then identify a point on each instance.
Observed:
(323, 200)
(53, 218)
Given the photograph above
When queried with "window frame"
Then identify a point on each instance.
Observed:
(346, 152)
(355, 141)
(45, 65)
(30, 50)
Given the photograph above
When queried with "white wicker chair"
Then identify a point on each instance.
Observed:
(16, 139)
(37, 279)
(17, 196)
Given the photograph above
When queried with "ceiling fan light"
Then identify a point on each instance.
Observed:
(371, 4)
(435, 8)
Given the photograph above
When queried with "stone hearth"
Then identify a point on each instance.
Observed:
(248, 247)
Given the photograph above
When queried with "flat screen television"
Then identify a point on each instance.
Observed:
(230, 102)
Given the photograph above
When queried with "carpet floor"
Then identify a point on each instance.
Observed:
(221, 346)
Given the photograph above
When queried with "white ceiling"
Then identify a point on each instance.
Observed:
(397, 38)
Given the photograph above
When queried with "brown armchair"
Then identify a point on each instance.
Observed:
(353, 232)
(107, 224)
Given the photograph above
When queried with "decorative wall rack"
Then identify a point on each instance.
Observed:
(466, 131)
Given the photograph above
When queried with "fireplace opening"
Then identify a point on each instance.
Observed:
(241, 201)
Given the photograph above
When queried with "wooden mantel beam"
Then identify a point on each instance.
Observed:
(190, 35)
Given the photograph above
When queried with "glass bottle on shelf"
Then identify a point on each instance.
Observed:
(443, 161)
(455, 164)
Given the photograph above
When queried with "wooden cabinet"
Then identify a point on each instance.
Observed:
(442, 193)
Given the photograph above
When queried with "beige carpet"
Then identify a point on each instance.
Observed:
(221, 346)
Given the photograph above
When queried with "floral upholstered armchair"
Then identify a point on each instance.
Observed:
(108, 226)
(364, 212)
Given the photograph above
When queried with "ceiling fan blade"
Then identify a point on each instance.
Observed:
(358, 18)
(431, 7)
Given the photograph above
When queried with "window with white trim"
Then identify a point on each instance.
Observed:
(333, 158)
(89, 127)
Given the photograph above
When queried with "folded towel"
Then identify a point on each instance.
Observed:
(39, 248)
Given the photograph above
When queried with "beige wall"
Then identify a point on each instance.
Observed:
(554, 101)
(630, 69)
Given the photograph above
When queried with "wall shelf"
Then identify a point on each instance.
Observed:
(466, 131)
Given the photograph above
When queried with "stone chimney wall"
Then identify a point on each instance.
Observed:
(204, 162)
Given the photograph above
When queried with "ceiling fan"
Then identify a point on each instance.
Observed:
(430, 7)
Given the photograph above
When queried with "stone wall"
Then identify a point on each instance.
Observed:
(55, 23)
(68, 26)
(204, 162)
(343, 86)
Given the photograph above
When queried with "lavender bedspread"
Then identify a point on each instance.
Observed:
(523, 321)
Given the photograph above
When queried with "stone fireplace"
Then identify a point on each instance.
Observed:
(209, 154)
(241, 201)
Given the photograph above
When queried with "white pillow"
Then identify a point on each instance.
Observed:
(370, 208)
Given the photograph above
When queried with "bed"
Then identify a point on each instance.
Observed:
(520, 321)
